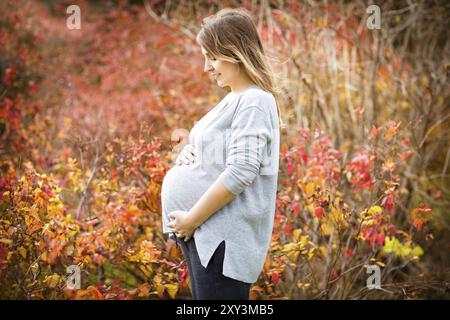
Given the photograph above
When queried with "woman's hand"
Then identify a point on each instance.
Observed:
(181, 224)
(187, 155)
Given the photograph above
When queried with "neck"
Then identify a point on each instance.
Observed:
(241, 85)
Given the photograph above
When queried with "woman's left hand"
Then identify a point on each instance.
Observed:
(181, 224)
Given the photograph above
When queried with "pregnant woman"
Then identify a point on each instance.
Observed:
(218, 201)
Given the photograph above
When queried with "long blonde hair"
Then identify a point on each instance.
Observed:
(231, 35)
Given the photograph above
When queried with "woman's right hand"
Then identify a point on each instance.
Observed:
(187, 155)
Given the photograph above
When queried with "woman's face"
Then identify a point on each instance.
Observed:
(224, 72)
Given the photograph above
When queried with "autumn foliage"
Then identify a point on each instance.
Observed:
(90, 121)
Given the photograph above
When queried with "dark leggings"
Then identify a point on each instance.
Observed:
(209, 283)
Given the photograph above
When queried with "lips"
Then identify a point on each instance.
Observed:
(216, 75)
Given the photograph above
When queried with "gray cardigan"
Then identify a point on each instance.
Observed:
(237, 142)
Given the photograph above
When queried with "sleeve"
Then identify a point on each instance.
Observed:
(249, 135)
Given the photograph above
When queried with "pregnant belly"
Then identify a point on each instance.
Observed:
(181, 188)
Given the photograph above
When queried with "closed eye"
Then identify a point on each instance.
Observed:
(208, 56)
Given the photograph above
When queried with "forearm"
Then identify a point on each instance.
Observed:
(215, 198)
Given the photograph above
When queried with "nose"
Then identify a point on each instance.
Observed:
(208, 66)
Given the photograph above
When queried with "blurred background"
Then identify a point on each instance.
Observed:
(92, 117)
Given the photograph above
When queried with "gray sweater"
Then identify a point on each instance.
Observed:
(238, 143)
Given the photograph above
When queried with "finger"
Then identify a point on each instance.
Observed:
(187, 155)
(188, 147)
(191, 152)
(190, 157)
(183, 159)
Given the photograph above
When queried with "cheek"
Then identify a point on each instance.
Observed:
(218, 67)
(224, 71)
(229, 70)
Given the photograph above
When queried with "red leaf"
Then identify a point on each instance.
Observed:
(287, 230)
(405, 155)
(348, 253)
(319, 212)
(295, 208)
(388, 202)
(380, 239)
(276, 277)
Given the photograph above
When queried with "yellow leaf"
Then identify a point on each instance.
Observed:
(304, 240)
(374, 210)
(405, 251)
(296, 234)
(291, 246)
(311, 253)
(6, 241)
(172, 289)
(381, 264)
(310, 189)
(52, 281)
(323, 250)
(417, 251)
(22, 251)
(69, 250)
(293, 256)
(325, 228)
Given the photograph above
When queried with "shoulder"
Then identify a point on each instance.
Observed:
(256, 97)
(257, 106)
